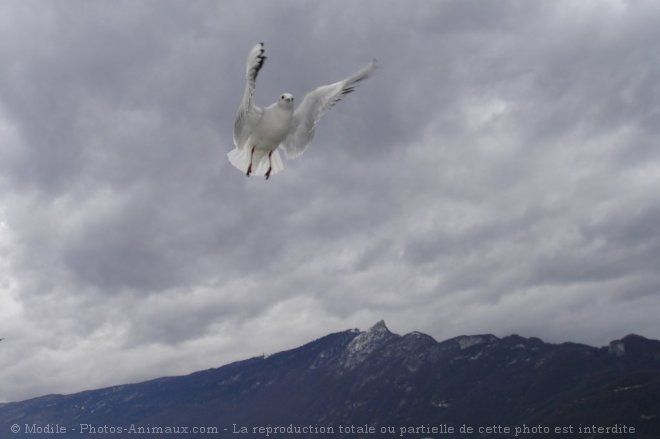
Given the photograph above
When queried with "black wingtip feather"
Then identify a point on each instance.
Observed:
(261, 58)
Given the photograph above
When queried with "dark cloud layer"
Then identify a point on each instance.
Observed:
(499, 174)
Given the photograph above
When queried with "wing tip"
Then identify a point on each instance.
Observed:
(256, 60)
(365, 73)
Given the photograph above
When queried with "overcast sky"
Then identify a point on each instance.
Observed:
(499, 174)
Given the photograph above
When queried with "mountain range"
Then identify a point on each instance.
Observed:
(376, 384)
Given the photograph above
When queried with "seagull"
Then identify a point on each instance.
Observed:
(258, 132)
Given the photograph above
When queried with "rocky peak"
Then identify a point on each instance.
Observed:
(380, 328)
(366, 343)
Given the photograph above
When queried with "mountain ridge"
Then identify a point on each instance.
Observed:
(379, 379)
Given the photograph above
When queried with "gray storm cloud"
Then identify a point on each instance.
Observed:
(498, 175)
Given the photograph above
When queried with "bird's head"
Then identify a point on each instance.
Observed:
(286, 100)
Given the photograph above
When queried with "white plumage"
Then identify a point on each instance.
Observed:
(258, 132)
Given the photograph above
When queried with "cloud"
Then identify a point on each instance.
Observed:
(498, 174)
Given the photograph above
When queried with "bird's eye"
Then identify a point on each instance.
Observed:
(282, 97)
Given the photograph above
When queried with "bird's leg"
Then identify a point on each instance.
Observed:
(270, 165)
(249, 169)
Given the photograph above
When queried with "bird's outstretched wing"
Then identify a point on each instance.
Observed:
(314, 105)
(248, 113)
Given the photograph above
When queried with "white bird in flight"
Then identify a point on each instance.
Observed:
(258, 132)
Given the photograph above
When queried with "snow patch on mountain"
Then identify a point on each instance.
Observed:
(466, 341)
(617, 348)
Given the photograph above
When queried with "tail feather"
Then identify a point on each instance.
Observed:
(240, 158)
